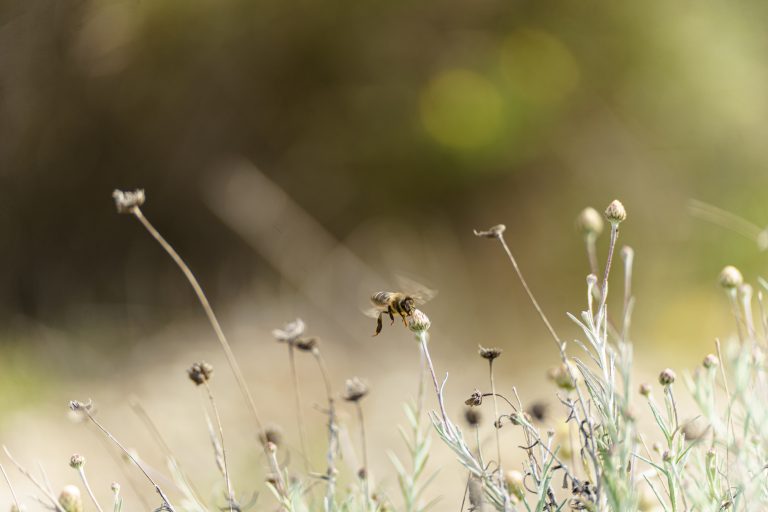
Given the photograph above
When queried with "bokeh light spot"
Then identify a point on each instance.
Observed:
(539, 68)
(462, 109)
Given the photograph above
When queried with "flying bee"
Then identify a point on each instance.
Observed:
(398, 303)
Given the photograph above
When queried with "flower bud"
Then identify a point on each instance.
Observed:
(418, 322)
(589, 222)
(615, 213)
(561, 376)
(645, 389)
(70, 499)
(731, 278)
(711, 361)
(76, 461)
(515, 483)
(667, 377)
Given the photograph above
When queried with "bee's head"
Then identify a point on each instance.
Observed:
(409, 305)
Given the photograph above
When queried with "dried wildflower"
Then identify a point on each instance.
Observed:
(589, 222)
(711, 361)
(290, 332)
(126, 201)
(200, 373)
(76, 461)
(615, 213)
(731, 278)
(475, 399)
(538, 411)
(70, 499)
(489, 353)
(561, 376)
(492, 232)
(354, 390)
(645, 389)
(307, 344)
(515, 483)
(667, 377)
(271, 434)
(472, 416)
(418, 322)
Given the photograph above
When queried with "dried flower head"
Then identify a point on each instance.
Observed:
(711, 361)
(472, 416)
(76, 461)
(645, 389)
(200, 373)
(561, 376)
(731, 278)
(492, 232)
(126, 201)
(515, 483)
(615, 213)
(354, 390)
(418, 322)
(290, 332)
(489, 353)
(589, 222)
(78, 406)
(475, 399)
(271, 434)
(70, 499)
(667, 377)
(307, 344)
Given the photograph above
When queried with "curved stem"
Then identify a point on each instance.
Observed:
(297, 400)
(230, 492)
(88, 488)
(366, 470)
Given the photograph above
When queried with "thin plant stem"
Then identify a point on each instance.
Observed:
(87, 486)
(366, 470)
(423, 338)
(136, 211)
(10, 487)
(589, 242)
(496, 427)
(48, 494)
(84, 409)
(297, 400)
(332, 435)
(227, 478)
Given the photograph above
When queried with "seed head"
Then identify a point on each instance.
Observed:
(711, 361)
(290, 332)
(70, 499)
(589, 222)
(76, 461)
(475, 399)
(307, 344)
(418, 322)
(515, 483)
(472, 416)
(615, 213)
(126, 201)
(271, 434)
(667, 377)
(731, 278)
(645, 389)
(200, 373)
(354, 390)
(492, 232)
(489, 353)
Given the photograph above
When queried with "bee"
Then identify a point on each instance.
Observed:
(398, 303)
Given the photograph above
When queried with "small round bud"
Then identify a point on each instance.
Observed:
(271, 434)
(418, 322)
(115, 487)
(589, 222)
(492, 232)
(645, 389)
(731, 278)
(70, 499)
(561, 376)
(627, 254)
(515, 483)
(76, 461)
(615, 213)
(667, 377)
(200, 373)
(711, 361)
(354, 390)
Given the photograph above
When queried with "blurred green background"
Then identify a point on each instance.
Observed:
(298, 154)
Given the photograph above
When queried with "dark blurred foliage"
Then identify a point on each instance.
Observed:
(460, 111)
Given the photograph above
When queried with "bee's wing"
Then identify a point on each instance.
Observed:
(419, 292)
(372, 312)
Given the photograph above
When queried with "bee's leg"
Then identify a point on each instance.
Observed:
(378, 325)
(404, 316)
(391, 316)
